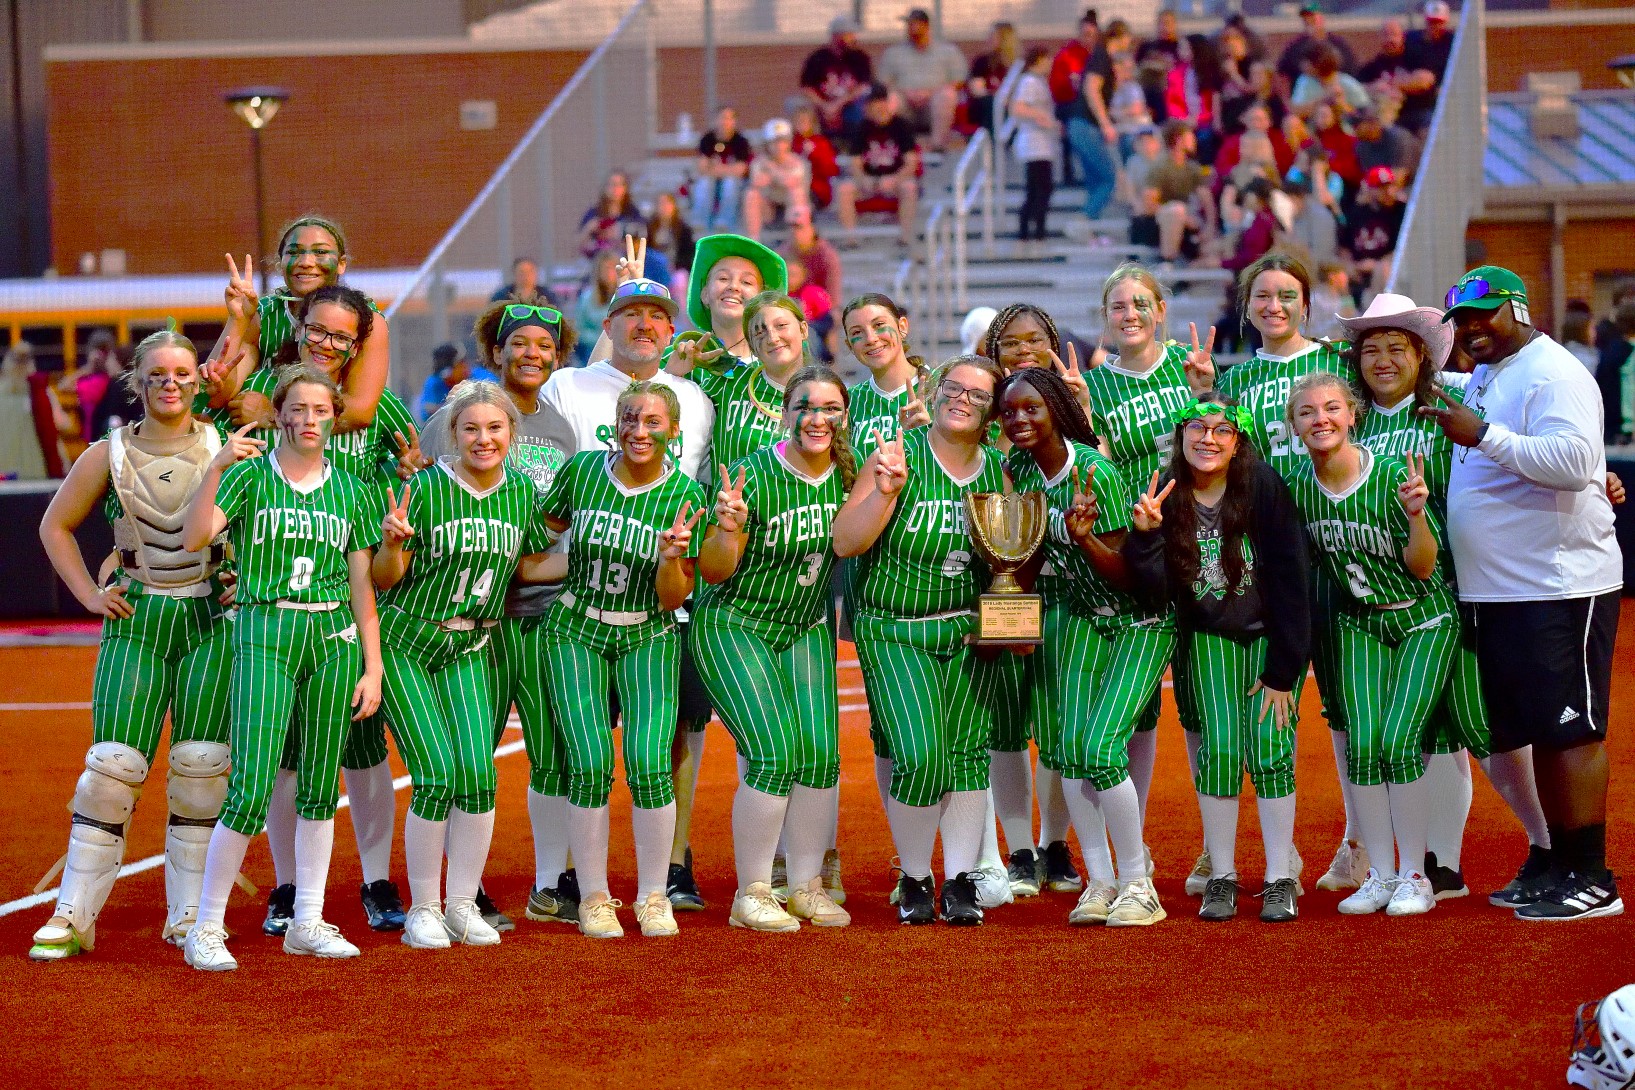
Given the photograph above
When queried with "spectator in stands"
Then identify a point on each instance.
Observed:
(1067, 79)
(1256, 119)
(91, 383)
(1623, 321)
(1578, 335)
(1256, 160)
(450, 366)
(820, 156)
(1325, 83)
(1313, 232)
(779, 179)
(1034, 146)
(669, 233)
(1297, 56)
(1612, 353)
(818, 306)
(1139, 195)
(988, 71)
(1372, 228)
(1331, 300)
(1428, 53)
(885, 164)
(1179, 188)
(1393, 76)
(1245, 82)
(1339, 149)
(836, 78)
(21, 455)
(1257, 45)
(1090, 130)
(1384, 145)
(813, 252)
(926, 74)
(1259, 226)
(1193, 89)
(1165, 44)
(723, 165)
(525, 286)
(594, 299)
(121, 403)
(613, 216)
(1128, 106)
(51, 423)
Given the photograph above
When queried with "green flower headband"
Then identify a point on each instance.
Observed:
(1236, 414)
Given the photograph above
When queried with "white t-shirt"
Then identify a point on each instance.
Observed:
(585, 398)
(1033, 140)
(1528, 514)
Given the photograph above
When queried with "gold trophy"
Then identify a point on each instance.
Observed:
(1007, 529)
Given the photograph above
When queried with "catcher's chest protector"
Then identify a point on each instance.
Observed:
(155, 481)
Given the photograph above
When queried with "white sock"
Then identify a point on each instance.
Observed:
(281, 827)
(374, 815)
(809, 827)
(914, 833)
(1091, 825)
(1448, 777)
(587, 838)
(469, 837)
(1220, 816)
(655, 831)
(882, 780)
(1277, 833)
(1011, 776)
(1143, 753)
(988, 856)
(757, 819)
(548, 815)
(1373, 816)
(1348, 790)
(423, 859)
(962, 831)
(222, 861)
(1511, 775)
(314, 844)
(1120, 809)
(1410, 817)
(1053, 813)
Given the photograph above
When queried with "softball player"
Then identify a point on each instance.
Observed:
(1276, 299)
(1396, 631)
(1222, 541)
(165, 647)
(630, 566)
(1105, 654)
(302, 531)
(447, 553)
(916, 589)
(765, 649)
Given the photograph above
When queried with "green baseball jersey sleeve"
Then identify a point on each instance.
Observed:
(748, 410)
(1074, 581)
(1136, 413)
(1262, 385)
(369, 454)
(871, 408)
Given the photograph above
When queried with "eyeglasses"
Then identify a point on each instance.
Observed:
(529, 310)
(1197, 429)
(317, 335)
(953, 391)
(1471, 290)
(159, 382)
(1015, 344)
(296, 253)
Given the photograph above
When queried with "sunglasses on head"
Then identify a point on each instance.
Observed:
(1471, 290)
(529, 310)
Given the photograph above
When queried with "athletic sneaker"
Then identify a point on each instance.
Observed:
(916, 900)
(896, 885)
(1446, 882)
(599, 917)
(993, 886)
(1533, 880)
(382, 905)
(757, 909)
(1198, 880)
(1151, 867)
(549, 906)
(1060, 876)
(682, 890)
(1023, 872)
(813, 903)
(1136, 906)
(424, 928)
(317, 939)
(206, 948)
(1412, 897)
(1220, 899)
(567, 887)
(831, 877)
(491, 914)
(959, 904)
(1280, 901)
(780, 876)
(1094, 903)
(280, 910)
(1297, 866)
(466, 923)
(1349, 869)
(657, 916)
(1576, 897)
(1373, 895)
(53, 942)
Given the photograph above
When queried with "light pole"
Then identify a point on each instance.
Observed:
(257, 106)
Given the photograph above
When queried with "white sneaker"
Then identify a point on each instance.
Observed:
(599, 917)
(1413, 896)
(464, 923)
(993, 885)
(1349, 869)
(757, 909)
(780, 876)
(1199, 878)
(813, 902)
(206, 948)
(1136, 906)
(424, 928)
(1152, 868)
(1374, 894)
(1094, 903)
(655, 916)
(318, 939)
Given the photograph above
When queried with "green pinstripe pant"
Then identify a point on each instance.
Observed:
(365, 745)
(846, 574)
(516, 653)
(1047, 716)
(1326, 598)
(1220, 672)
(1460, 720)
(1012, 703)
(775, 689)
(933, 698)
(642, 663)
(289, 664)
(1394, 666)
(1106, 670)
(442, 712)
(175, 655)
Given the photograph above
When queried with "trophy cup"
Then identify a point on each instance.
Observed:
(1007, 529)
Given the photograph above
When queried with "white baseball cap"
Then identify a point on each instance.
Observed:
(1436, 10)
(778, 129)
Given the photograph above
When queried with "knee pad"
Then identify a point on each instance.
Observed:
(107, 790)
(197, 783)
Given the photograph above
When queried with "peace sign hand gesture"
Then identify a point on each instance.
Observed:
(674, 542)
(1414, 492)
(410, 460)
(1071, 375)
(633, 265)
(238, 447)
(689, 352)
(914, 414)
(1148, 512)
(1459, 422)
(1082, 515)
(241, 295)
(1200, 363)
(731, 512)
(395, 528)
(890, 465)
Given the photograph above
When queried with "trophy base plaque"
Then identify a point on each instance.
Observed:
(1009, 619)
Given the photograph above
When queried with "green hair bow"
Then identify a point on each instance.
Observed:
(1234, 414)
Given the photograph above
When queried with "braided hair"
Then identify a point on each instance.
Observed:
(1065, 411)
(845, 458)
(1002, 320)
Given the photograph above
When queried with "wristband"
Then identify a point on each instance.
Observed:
(1482, 432)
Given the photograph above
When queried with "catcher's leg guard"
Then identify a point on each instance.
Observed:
(195, 789)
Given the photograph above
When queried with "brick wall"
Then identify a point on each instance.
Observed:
(1592, 248)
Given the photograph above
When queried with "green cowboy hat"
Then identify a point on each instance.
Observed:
(711, 249)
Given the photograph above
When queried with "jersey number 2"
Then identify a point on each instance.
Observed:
(1359, 582)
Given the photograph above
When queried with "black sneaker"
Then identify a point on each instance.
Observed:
(491, 914)
(280, 911)
(682, 890)
(548, 906)
(1534, 878)
(958, 902)
(1220, 900)
(1023, 872)
(1576, 897)
(382, 905)
(1446, 882)
(917, 900)
(1059, 873)
(567, 888)
(1280, 901)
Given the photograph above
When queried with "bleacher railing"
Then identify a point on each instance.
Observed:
(603, 119)
(1447, 190)
(933, 284)
(973, 191)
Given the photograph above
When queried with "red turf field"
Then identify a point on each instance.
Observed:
(1463, 997)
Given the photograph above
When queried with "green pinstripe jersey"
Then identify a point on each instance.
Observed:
(369, 454)
(466, 544)
(1359, 535)
(613, 557)
(1136, 413)
(1402, 430)
(923, 563)
(291, 542)
(278, 324)
(1262, 385)
(783, 576)
(748, 410)
(1074, 581)
(868, 408)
